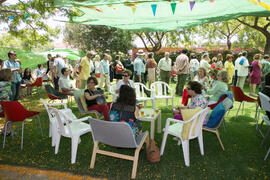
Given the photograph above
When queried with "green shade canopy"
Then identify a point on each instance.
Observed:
(68, 53)
(160, 14)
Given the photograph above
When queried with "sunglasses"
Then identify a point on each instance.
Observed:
(125, 75)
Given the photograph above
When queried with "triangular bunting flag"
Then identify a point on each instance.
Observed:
(181, 1)
(191, 3)
(10, 17)
(154, 8)
(173, 6)
(26, 16)
(133, 9)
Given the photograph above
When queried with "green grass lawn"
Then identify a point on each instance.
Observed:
(28, 59)
(242, 158)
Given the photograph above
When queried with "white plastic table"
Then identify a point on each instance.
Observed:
(150, 115)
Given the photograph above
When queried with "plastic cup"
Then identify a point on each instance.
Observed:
(142, 113)
(157, 111)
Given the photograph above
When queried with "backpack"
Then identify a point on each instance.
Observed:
(152, 152)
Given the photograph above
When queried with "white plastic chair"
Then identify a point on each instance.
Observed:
(176, 130)
(140, 95)
(112, 89)
(159, 91)
(52, 126)
(71, 128)
(265, 105)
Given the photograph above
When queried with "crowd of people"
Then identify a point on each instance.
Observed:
(207, 78)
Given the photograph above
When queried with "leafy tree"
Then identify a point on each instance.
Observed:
(221, 30)
(99, 38)
(152, 41)
(260, 24)
(26, 20)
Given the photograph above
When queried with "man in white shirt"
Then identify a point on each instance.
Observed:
(105, 72)
(205, 62)
(165, 66)
(59, 64)
(194, 66)
(241, 67)
(181, 69)
(67, 86)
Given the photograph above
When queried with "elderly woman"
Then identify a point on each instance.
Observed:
(255, 75)
(151, 68)
(91, 98)
(125, 81)
(219, 88)
(194, 89)
(201, 77)
(229, 67)
(97, 67)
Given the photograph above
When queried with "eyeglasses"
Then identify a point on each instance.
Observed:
(125, 75)
(14, 54)
(91, 82)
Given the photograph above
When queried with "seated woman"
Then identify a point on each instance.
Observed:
(91, 98)
(266, 89)
(28, 79)
(213, 77)
(125, 81)
(194, 89)
(219, 88)
(5, 94)
(201, 77)
(125, 109)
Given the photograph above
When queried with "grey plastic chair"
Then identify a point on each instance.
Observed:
(265, 102)
(117, 134)
(80, 106)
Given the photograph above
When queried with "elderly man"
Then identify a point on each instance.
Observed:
(105, 72)
(139, 67)
(129, 64)
(15, 68)
(165, 66)
(85, 69)
(59, 63)
(241, 66)
(181, 68)
(67, 86)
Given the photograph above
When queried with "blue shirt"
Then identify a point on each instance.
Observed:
(10, 64)
(139, 66)
(104, 66)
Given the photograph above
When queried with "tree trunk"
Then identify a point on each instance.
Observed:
(229, 44)
(267, 46)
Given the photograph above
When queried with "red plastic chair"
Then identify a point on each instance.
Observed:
(37, 84)
(15, 112)
(239, 96)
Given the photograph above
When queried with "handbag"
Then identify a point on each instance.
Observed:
(152, 152)
(100, 99)
(119, 68)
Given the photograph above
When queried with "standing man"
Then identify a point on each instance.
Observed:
(59, 63)
(105, 72)
(165, 66)
(15, 68)
(129, 65)
(181, 68)
(85, 69)
(241, 66)
(139, 70)
(139, 67)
